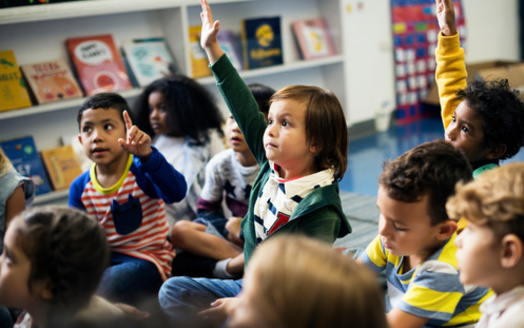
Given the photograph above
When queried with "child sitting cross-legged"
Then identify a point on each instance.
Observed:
(491, 247)
(125, 191)
(212, 241)
(415, 246)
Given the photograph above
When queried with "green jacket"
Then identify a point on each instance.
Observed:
(319, 214)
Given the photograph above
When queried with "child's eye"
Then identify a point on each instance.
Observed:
(453, 119)
(269, 121)
(162, 108)
(285, 123)
(400, 229)
(108, 127)
(86, 129)
(465, 129)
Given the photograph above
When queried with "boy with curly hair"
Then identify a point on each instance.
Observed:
(484, 119)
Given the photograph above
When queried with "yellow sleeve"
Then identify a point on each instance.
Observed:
(450, 74)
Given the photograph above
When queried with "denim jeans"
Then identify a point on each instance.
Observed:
(181, 298)
(129, 279)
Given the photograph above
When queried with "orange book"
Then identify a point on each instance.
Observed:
(199, 62)
(62, 166)
(51, 81)
(98, 64)
(13, 93)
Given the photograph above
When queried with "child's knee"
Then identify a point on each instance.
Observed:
(181, 231)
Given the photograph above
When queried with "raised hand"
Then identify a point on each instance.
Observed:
(208, 35)
(137, 142)
(446, 17)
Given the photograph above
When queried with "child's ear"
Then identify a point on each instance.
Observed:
(497, 152)
(80, 139)
(447, 229)
(512, 249)
(43, 289)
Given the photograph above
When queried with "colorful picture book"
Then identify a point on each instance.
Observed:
(51, 81)
(312, 38)
(199, 62)
(98, 64)
(23, 155)
(148, 60)
(262, 42)
(232, 47)
(13, 92)
(62, 166)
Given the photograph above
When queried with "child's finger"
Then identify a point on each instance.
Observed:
(127, 120)
(131, 134)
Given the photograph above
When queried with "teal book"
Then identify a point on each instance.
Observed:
(25, 159)
(262, 41)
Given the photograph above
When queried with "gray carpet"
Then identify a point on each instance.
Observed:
(362, 213)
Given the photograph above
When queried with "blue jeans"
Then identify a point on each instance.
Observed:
(181, 298)
(129, 279)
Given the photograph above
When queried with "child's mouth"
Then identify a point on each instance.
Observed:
(98, 151)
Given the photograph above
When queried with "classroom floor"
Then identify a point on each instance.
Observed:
(367, 154)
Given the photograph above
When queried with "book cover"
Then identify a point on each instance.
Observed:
(13, 92)
(232, 47)
(262, 42)
(98, 64)
(199, 62)
(51, 81)
(312, 38)
(62, 166)
(23, 155)
(148, 59)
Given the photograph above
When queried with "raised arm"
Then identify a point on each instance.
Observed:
(446, 17)
(208, 36)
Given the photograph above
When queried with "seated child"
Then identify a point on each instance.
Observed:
(491, 248)
(282, 290)
(415, 246)
(302, 153)
(185, 125)
(125, 191)
(483, 119)
(51, 265)
(230, 176)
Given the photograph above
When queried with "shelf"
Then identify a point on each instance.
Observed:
(51, 196)
(77, 102)
(35, 13)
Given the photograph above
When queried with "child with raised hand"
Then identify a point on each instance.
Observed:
(415, 246)
(50, 267)
(125, 191)
(185, 125)
(281, 288)
(302, 153)
(491, 248)
(229, 179)
(484, 119)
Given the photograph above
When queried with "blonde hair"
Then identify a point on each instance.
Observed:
(326, 126)
(302, 282)
(5, 163)
(495, 199)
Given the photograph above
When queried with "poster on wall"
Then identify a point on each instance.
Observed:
(415, 32)
(17, 3)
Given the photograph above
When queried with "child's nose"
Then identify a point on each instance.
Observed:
(154, 113)
(451, 132)
(383, 227)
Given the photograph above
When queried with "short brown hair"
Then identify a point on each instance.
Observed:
(326, 126)
(495, 199)
(67, 248)
(432, 168)
(303, 282)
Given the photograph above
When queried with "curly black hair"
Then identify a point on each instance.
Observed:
(432, 168)
(191, 109)
(501, 110)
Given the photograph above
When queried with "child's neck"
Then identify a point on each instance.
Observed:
(108, 175)
(294, 172)
(246, 158)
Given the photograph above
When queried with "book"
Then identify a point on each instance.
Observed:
(98, 64)
(232, 47)
(23, 155)
(262, 42)
(13, 92)
(148, 60)
(199, 62)
(51, 81)
(62, 166)
(312, 38)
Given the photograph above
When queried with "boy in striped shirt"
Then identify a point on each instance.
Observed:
(415, 246)
(125, 191)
